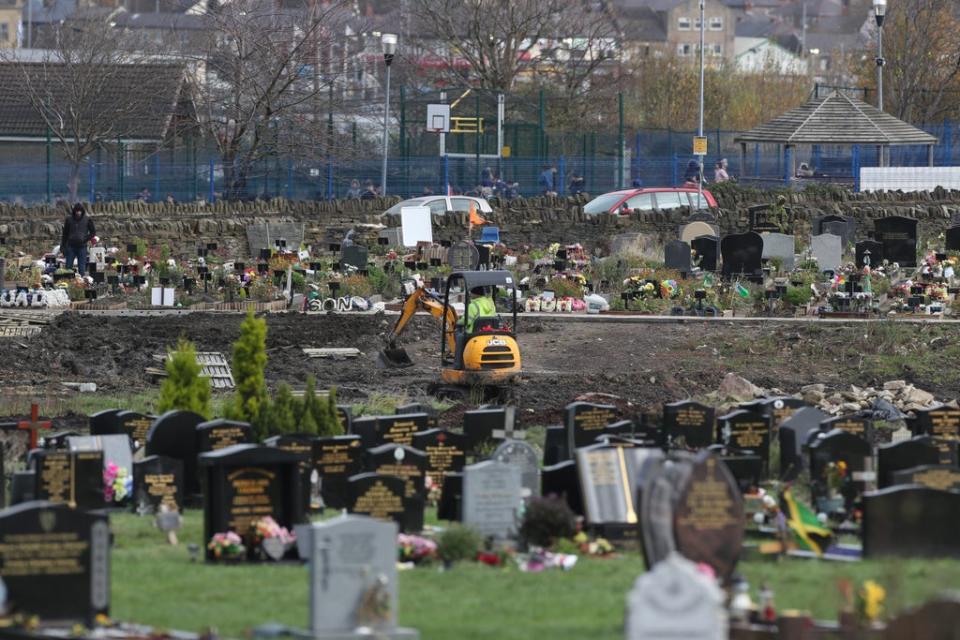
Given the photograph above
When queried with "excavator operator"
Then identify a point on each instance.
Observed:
(481, 306)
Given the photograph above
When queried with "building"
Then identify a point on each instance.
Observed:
(658, 27)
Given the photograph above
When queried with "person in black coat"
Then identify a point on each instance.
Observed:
(78, 230)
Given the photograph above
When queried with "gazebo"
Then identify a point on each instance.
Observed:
(836, 119)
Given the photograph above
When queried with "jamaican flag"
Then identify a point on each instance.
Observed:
(802, 521)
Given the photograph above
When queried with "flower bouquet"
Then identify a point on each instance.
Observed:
(117, 483)
(415, 549)
(274, 540)
(226, 546)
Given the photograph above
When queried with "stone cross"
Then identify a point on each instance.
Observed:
(34, 426)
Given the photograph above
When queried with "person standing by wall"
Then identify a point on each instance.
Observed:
(78, 230)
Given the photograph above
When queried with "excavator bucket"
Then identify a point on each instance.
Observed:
(394, 358)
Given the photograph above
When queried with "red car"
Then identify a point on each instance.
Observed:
(654, 198)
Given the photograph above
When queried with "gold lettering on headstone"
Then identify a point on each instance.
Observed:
(334, 458)
(223, 437)
(708, 503)
(409, 473)
(379, 502)
(49, 554)
(690, 417)
(603, 468)
(441, 457)
(856, 427)
(945, 424)
(164, 487)
(943, 479)
(251, 499)
(57, 478)
(593, 419)
(748, 435)
(401, 432)
(137, 429)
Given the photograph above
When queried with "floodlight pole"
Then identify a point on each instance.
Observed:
(879, 11)
(700, 126)
(389, 44)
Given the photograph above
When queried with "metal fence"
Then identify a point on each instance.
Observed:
(604, 161)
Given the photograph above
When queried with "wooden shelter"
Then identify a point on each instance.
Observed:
(836, 119)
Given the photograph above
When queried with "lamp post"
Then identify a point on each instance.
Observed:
(700, 126)
(388, 43)
(879, 11)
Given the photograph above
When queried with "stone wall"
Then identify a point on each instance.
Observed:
(534, 221)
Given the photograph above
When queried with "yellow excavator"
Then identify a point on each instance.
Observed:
(474, 351)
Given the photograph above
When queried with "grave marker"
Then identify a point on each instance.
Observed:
(561, 480)
(792, 435)
(158, 481)
(779, 245)
(336, 459)
(174, 434)
(935, 476)
(828, 251)
(446, 452)
(875, 250)
(742, 254)
(677, 256)
(899, 456)
(383, 498)
(608, 482)
(898, 235)
(74, 479)
(857, 425)
(492, 495)
(691, 421)
(746, 431)
(214, 435)
(135, 425)
(585, 421)
(910, 521)
(525, 457)
(705, 250)
(835, 447)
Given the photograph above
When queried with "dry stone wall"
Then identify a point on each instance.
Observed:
(533, 221)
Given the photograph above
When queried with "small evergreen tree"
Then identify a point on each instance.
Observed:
(249, 361)
(333, 417)
(184, 388)
(283, 412)
(308, 408)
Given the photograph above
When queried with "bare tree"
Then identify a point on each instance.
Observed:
(266, 86)
(95, 86)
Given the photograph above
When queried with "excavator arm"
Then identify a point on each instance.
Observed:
(419, 299)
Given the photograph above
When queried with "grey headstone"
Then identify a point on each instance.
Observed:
(463, 256)
(353, 565)
(526, 458)
(677, 256)
(640, 245)
(393, 236)
(491, 497)
(675, 600)
(779, 245)
(115, 448)
(828, 251)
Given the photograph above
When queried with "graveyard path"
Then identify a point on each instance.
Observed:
(645, 363)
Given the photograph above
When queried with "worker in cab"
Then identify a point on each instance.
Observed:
(481, 306)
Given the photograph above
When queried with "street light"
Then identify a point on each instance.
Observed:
(700, 127)
(879, 11)
(388, 43)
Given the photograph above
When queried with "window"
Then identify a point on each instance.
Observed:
(716, 24)
(438, 206)
(4, 32)
(696, 24)
(463, 204)
(702, 199)
(683, 24)
(717, 50)
(672, 200)
(684, 49)
(642, 202)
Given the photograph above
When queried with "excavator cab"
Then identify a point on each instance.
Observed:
(481, 347)
(477, 348)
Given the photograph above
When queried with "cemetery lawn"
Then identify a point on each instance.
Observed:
(157, 584)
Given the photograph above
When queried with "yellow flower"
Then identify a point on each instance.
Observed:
(873, 596)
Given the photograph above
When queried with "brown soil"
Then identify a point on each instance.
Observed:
(646, 364)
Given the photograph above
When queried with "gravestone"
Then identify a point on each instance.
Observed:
(952, 238)
(136, 425)
(692, 421)
(943, 477)
(103, 423)
(525, 457)
(561, 480)
(353, 577)
(828, 251)
(214, 435)
(742, 254)
(675, 600)
(463, 256)
(900, 456)
(792, 435)
(399, 429)
(74, 479)
(302, 445)
(608, 482)
(555, 446)
(446, 452)
(898, 235)
(746, 431)
(706, 249)
(115, 448)
(941, 422)
(399, 461)
(698, 229)
(55, 561)
(779, 245)
(22, 486)
(174, 434)
(747, 470)
(158, 481)
(492, 495)
(876, 253)
(708, 519)
(660, 480)
(843, 226)
(480, 425)
(677, 256)
(245, 483)
(419, 407)
(345, 417)
(451, 496)
(585, 421)
(383, 498)
(910, 521)
(857, 425)
(834, 447)
(355, 257)
(336, 459)
(779, 409)
(366, 429)
(263, 236)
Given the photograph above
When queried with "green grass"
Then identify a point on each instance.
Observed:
(157, 584)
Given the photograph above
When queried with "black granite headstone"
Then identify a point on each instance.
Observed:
(555, 446)
(451, 497)
(136, 425)
(833, 448)
(479, 425)
(383, 497)
(952, 238)
(689, 422)
(174, 434)
(745, 431)
(906, 454)
(219, 434)
(742, 254)
(677, 256)
(910, 521)
(104, 423)
(74, 479)
(584, 421)
(400, 428)
(944, 477)
(561, 480)
(898, 235)
(792, 435)
(876, 253)
(158, 480)
(400, 461)
(446, 452)
(706, 249)
(336, 459)
(857, 425)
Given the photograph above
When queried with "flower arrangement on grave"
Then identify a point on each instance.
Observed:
(600, 547)
(434, 491)
(870, 600)
(226, 546)
(836, 476)
(415, 549)
(267, 528)
(117, 483)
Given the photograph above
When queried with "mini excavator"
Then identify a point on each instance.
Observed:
(479, 351)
